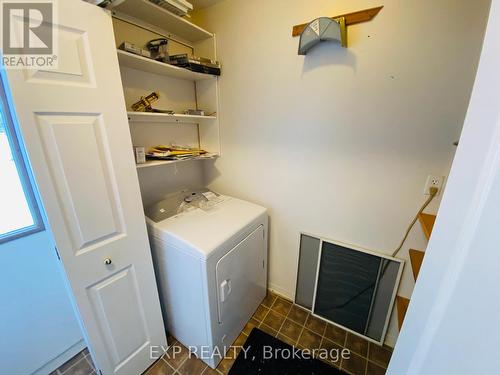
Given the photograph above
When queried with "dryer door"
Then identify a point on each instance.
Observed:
(241, 281)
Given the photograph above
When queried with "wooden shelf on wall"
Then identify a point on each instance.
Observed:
(350, 19)
(152, 117)
(157, 16)
(145, 64)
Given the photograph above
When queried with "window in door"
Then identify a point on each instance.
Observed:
(19, 213)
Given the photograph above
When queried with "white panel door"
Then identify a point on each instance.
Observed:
(241, 281)
(75, 128)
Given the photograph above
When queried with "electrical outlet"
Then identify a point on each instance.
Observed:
(434, 181)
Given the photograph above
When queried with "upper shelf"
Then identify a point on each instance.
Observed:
(145, 64)
(155, 15)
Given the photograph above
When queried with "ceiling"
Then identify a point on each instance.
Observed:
(200, 4)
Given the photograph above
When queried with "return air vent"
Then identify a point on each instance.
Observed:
(348, 286)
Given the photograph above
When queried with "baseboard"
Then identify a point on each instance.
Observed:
(61, 359)
(390, 340)
(280, 291)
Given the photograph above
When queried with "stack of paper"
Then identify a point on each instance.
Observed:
(179, 7)
(174, 152)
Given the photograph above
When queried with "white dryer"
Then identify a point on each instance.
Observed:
(210, 258)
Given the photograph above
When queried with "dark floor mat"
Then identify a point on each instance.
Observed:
(266, 354)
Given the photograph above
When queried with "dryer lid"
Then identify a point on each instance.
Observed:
(181, 201)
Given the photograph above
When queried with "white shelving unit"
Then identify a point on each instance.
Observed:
(152, 117)
(145, 64)
(161, 18)
(138, 21)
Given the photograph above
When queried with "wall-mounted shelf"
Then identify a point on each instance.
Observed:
(156, 163)
(145, 64)
(151, 117)
(155, 15)
(352, 18)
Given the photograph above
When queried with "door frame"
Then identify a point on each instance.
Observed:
(21, 160)
(475, 167)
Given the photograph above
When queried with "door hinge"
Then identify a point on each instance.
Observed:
(263, 263)
(57, 253)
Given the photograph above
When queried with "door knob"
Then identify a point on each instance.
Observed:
(107, 261)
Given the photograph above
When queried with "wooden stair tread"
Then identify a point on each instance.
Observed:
(416, 258)
(427, 222)
(402, 305)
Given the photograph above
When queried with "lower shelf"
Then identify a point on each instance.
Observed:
(155, 163)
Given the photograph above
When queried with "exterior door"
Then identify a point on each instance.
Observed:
(74, 123)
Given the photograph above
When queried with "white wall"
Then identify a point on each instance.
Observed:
(38, 327)
(339, 143)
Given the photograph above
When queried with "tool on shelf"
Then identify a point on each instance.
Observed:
(132, 48)
(195, 112)
(159, 49)
(144, 104)
(196, 64)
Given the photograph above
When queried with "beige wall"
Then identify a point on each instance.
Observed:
(339, 143)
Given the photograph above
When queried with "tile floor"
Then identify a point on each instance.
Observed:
(80, 364)
(295, 326)
(280, 318)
